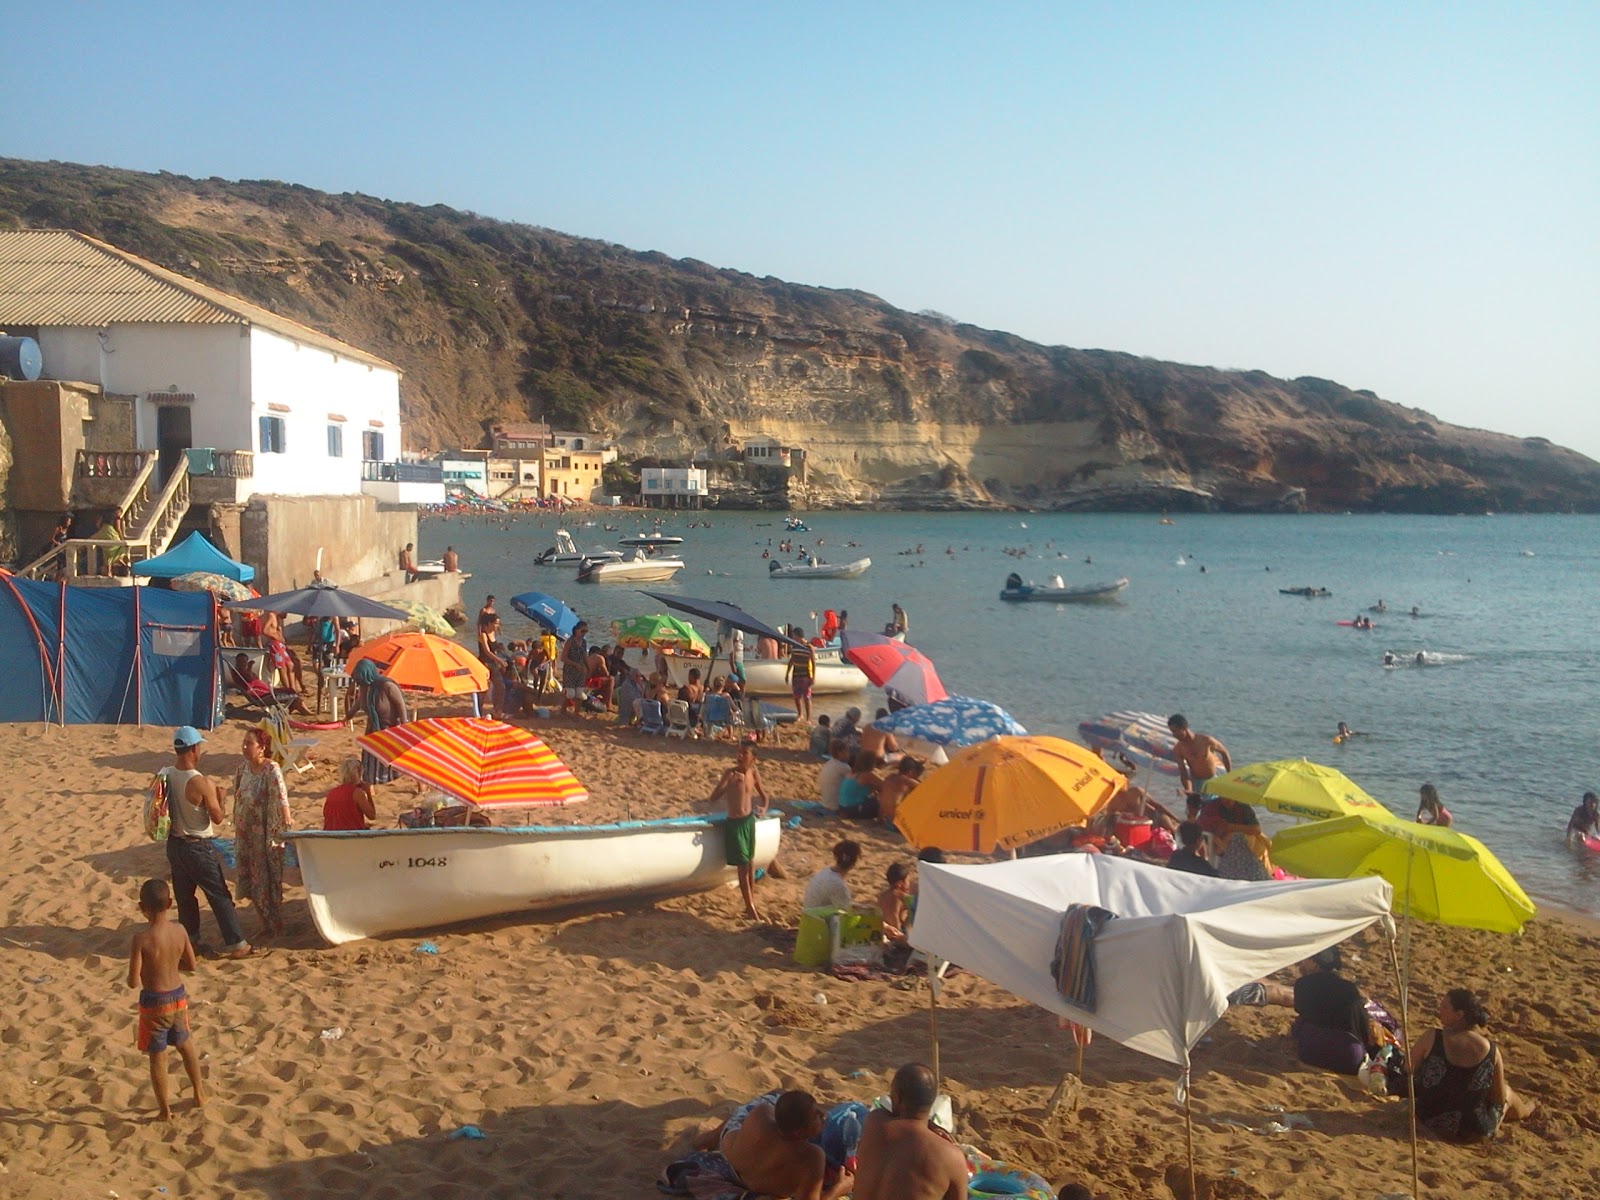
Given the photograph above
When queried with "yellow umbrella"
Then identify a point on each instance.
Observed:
(1438, 874)
(1296, 788)
(1005, 793)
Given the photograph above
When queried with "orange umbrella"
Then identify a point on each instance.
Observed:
(484, 762)
(425, 662)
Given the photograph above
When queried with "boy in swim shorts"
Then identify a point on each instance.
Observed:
(737, 789)
(157, 956)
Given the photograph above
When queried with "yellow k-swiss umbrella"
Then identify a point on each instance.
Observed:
(1296, 788)
(1005, 793)
(1438, 874)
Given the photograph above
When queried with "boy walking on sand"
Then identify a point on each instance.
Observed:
(737, 788)
(158, 954)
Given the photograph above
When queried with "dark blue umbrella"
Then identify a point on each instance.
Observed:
(321, 600)
(549, 612)
(720, 610)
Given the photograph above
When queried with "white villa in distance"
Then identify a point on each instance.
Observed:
(209, 372)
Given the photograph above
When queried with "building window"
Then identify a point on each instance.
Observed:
(372, 445)
(335, 441)
(272, 440)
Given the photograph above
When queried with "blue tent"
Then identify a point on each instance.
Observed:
(107, 656)
(194, 553)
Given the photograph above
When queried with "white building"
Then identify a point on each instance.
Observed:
(571, 439)
(673, 487)
(271, 404)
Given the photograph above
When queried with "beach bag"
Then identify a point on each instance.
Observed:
(157, 821)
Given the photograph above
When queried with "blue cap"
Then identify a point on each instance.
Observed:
(185, 737)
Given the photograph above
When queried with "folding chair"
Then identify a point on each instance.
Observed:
(650, 719)
(287, 750)
(766, 720)
(678, 719)
(716, 714)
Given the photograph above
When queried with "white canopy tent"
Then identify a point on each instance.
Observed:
(1179, 944)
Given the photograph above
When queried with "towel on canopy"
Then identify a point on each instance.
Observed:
(1074, 962)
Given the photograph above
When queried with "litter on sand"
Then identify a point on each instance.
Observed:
(333, 1035)
(426, 948)
(470, 1133)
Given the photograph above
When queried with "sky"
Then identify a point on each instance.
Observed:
(1400, 197)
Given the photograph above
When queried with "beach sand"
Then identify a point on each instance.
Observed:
(587, 1045)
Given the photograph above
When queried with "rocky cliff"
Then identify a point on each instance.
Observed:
(494, 320)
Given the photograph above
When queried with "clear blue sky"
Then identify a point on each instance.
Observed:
(1400, 197)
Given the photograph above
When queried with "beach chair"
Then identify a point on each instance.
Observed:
(767, 720)
(289, 752)
(716, 714)
(678, 719)
(650, 718)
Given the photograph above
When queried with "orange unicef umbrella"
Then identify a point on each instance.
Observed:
(484, 762)
(425, 662)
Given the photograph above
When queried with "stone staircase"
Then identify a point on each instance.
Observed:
(148, 519)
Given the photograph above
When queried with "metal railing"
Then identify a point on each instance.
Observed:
(373, 471)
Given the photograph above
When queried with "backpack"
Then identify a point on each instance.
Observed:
(157, 820)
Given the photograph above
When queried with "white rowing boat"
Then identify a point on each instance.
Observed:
(810, 569)
(836, 676)
(374, 881)
(1056, 590)
(640, 567)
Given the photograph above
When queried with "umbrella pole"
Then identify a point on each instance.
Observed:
(1188, 1132)
(1405, 1026)
(933, 1025)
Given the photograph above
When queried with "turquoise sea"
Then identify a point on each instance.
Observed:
(1507, 725)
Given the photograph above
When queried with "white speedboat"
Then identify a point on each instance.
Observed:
(1058, 590)
(565, 553)
(639, 567)
(374, 881)
(765, 676)
(652, 540)
(812, 569)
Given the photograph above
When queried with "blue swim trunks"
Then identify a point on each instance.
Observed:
(163, 1020)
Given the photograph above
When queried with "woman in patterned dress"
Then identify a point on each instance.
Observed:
(260, 815)
(1460, 1077)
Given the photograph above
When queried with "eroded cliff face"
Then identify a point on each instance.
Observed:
(674, 357)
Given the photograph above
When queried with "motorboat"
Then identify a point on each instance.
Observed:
(835, 676)
(363, 883)
(812, 568)
(652, 541)
(1057, 589)
(565, 553)
(640, 567)
(796, 525)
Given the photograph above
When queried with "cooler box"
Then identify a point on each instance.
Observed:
(824, 930)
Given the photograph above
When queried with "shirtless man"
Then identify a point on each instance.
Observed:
(737, 789)
(905, 776)
(901, 1155)
(1197, 754)
(600, 681)
(772, 1152)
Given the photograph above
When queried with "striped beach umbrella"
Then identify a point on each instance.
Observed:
(487, 763)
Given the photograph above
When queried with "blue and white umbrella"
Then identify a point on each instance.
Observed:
(1143, 737)
(549, 612)
(953, 721)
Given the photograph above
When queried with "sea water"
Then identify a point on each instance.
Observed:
(1503, 721)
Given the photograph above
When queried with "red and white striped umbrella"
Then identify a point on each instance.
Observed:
(487, 763)
(894, 666)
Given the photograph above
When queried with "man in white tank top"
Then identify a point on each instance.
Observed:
(194, 807)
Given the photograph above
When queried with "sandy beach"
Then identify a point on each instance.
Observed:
(586, 1045)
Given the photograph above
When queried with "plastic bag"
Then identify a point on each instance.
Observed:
(157, 820)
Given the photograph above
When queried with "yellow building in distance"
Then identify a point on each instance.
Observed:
(571, 474)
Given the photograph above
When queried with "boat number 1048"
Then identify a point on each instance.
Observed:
(442, 860)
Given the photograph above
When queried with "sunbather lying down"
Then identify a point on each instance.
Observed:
(1261, 993)
(779, 1144)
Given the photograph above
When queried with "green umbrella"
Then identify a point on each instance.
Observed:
(424, 619)
(660, 631)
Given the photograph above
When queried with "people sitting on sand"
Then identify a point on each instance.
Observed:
(1459, 1075)
(1190, 855)
(903, 1155)
(827, 888)
(849, 728)
(1585, 819)
(858, 791)
(1430, 810)
(257, 689)
(599, 681)
(892, 902)
(833, 773)
(880, 743)
(1239, 861)
(1333, 1028)
(821, 736)
(902, 780)
(779, 1144)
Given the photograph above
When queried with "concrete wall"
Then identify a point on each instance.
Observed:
(359, 540)
(46, 422)
(318, 388)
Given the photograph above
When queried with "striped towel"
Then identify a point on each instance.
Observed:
(1074, 962)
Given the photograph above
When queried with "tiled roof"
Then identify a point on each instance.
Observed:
(56, 277)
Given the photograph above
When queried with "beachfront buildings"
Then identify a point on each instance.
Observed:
(571, 474)
(672, 487)
(271, 405)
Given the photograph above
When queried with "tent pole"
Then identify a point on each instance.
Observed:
(138, 659)
(1405, 1025)
(1188, 1132)
(933, 1027)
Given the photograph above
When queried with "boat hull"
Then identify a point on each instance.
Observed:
(1070, 595)
(764, 676)
(365, 883)
(631, 571)
(849, 570)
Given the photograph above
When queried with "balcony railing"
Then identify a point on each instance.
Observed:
(111, 464)
(400, 472)
(222, 464)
